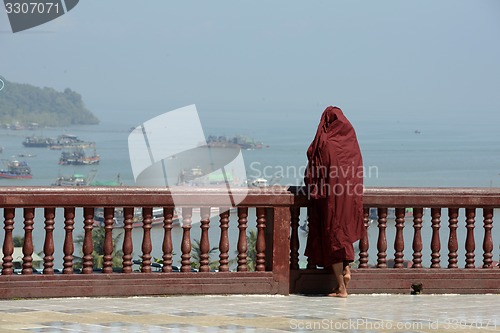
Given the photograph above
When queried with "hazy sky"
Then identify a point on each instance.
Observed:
(255, 60)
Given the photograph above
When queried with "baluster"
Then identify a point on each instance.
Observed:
(48, 245)
(147, 221)
(417, 237)
(186, 240)
(29, 215)
(452, 241)
(8, 245)
(382, 240)
(204, 241)
(69, 221)
(363, 242)
(242, 239)
(399, 242)
(470, 244)
(436, 242)
(128, 245)
(488, 239)
(294, 237)
(224, 240)
(261, 240)
(168, 214)
(88, 243)
(107, 264)
(310, 263)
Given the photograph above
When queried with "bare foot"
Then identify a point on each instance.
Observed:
(347, 279)
(338, 294)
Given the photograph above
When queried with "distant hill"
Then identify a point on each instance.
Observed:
(25, 104)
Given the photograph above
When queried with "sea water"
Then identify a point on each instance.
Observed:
(395, 153)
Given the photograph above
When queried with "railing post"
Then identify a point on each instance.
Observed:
(452, 240)
(128, 245)
(294, 239)
(147, 247)
(107, 262)
(88, 243)
(48, 246)
(167, 247)
(224, 239)
(242, 239)
(363, 242)
(29, 215)
(488, 239)
(417, 237)
(204, 240)
(69, 248)
(399, 242)
(8, 245)
(281, 249)
(310, 264)
(435, 242)
(186, 239)
(261, 240)
(382, 240)
(470, 245)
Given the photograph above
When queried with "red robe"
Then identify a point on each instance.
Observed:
(334, 178)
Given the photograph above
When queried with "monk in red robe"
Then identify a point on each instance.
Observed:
(334, 179)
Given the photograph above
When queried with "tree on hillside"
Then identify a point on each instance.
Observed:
(26, 104)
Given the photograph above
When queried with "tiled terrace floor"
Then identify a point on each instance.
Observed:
(358, 313)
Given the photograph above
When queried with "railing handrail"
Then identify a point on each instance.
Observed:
(130, 196)
(430, 197)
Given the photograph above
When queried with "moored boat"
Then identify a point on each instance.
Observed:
(16, 170)
(75, 179)
(78, 156)
(68, 141)
(238, 141)
(37, 141)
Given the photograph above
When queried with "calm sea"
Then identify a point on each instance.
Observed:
(395, 153)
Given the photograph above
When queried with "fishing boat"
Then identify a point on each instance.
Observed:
(238, 141)
(78, 156)
(75, 179)
(37, 141)
(259, 182)
(69, 141)
(16, 170)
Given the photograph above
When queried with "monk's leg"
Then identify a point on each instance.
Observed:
(338, 272)
(347, 274)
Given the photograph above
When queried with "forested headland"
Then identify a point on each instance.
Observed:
(27, 104)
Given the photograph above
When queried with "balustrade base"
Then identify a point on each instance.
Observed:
(400, 281)
(136, 284)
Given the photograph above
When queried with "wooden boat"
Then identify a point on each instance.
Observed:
(78, 156)
(16, 170)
